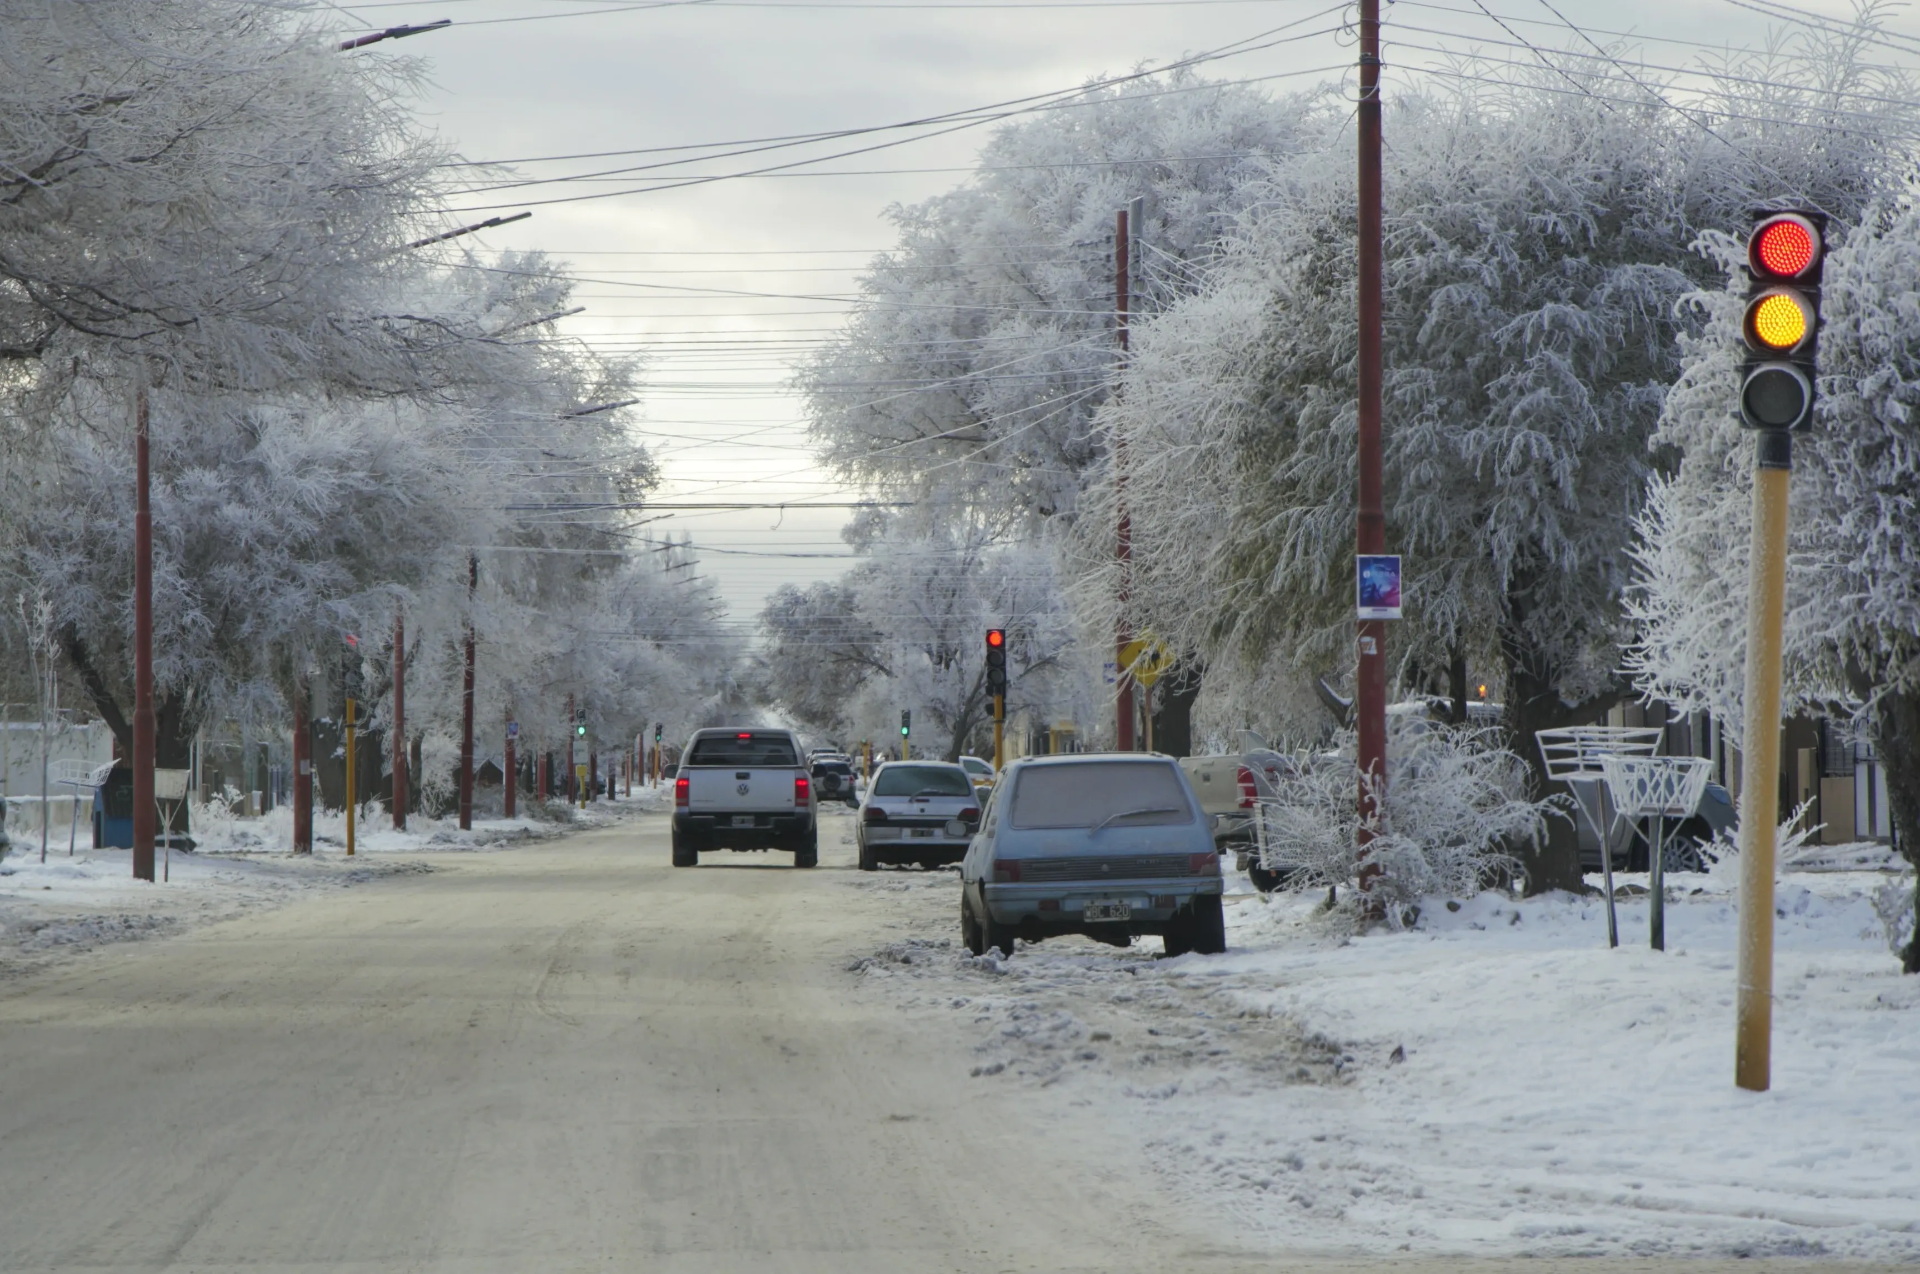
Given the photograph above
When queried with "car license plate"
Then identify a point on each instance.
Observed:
(923, 833)
(743, 820)
(1108, 911)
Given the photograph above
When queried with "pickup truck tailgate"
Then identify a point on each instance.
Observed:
(1216, 781)
(749, 791)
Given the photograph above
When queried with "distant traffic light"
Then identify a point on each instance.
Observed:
(658, 728)
(580, 723)
(906, 722)
(996, 662)
(1782, 323)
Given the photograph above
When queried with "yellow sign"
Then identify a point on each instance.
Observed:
(1146, 660)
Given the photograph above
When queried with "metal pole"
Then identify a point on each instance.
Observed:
(302, 770)
(1657, 884)
(352, 794)
(466, 704)
(999, 732)
(1370, 690)
(144, 813)
(1123, 633)
(570, 728)
(400, 776)
(1760, 761)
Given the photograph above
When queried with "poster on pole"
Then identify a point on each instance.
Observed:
(1377, 578)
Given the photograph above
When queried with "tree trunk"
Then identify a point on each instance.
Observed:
(1533, 705)
(1173, 719)
(1896, 737)
(1457, 686)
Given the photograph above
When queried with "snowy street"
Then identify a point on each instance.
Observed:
(568, 1055)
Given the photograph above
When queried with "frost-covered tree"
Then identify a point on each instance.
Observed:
(1853, 579)
(906, 628)
(969, 376)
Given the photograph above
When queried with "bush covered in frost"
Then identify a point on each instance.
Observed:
(1456, 810)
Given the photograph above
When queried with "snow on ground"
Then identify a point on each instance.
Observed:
(73, 903)
(1493, 1082)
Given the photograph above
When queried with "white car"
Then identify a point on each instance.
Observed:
(917, 812)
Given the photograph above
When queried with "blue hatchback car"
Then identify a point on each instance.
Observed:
(1110, 845)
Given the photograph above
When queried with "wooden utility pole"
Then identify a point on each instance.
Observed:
(145, 737)
(399, 723)
(510, 773)
(1123, 633)
(1370, 689)
(466, 704)
(302, 767)
(353, 794)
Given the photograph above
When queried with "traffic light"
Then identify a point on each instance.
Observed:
(996, 662)
(580, 723)
(658, 728)
(1782, 322)
(906, 722)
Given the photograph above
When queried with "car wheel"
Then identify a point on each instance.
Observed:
(995, 934)
(867, 861)
(970, 935)
(1265, 879)
(684, 854)
(1177, 939)
(1208, 931)
(807, 852)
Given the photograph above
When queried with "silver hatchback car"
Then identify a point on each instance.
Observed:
(917, 812)
(1109, 845)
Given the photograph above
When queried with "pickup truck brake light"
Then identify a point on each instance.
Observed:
(1248, 792)
(680, 794)
(802, 787)
(1006, 871)
(1207, 864)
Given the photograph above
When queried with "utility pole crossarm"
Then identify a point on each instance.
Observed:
(393, 33)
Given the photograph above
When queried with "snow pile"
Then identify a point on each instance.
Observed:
(1492, 1081)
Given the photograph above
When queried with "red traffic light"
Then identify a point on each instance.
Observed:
(996, 638)
(1786, 246)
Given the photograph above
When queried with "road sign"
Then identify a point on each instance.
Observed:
(1147, 660)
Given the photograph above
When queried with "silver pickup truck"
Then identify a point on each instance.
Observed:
(744, 789)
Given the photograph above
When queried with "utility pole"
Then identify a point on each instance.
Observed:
(145, 816)
(353, 795)
(399, 723)
(302, 767)
(1123, 683)
(466, 704)
(1370, 689)
(510, 772)
(570, 737)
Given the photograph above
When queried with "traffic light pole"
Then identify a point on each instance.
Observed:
(145, 814)
(1760, 760)
(352, 794)
(466, 704)
(1370, 688)
(999, 732)
(570, 727)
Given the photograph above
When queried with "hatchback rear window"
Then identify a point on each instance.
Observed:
(755, 749)
(1084, 794)
(912, 780)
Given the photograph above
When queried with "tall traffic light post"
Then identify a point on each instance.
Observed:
(1781, 327)
(997, 687)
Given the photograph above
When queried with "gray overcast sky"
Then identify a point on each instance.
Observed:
(517, 79)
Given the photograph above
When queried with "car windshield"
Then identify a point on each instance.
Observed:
(731, 749)
(1087, 794)
(915, 780)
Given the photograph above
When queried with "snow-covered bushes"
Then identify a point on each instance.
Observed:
(1456, 807)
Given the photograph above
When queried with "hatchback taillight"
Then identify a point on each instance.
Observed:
(680, 786)
(802, 790)
(1248, 792)
(970, 815)
(1207, 864)
(1006, 871)
(873, 814)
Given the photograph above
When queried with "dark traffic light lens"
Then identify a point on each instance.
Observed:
(1774, 397)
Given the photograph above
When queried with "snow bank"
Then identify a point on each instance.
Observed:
(1492, 1082)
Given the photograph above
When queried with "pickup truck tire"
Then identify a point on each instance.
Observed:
(867, 860)
(807, 852)
(1207, 927)
(684, 855)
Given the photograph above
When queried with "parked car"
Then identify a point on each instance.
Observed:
(834, 779)
(917, 812)
(6, 844)
(980, 770)
(744, 789)
(1229, 787)
(1109, 845)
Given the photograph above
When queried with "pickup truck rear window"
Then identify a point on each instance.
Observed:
(911, 780)
(765, 750)
(1088, 793)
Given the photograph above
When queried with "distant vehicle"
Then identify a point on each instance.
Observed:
(917, 812)
(1229, 787)
(6, 844)
(979, 769)
(744, 789)
(834, 779)
(1110, 845)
